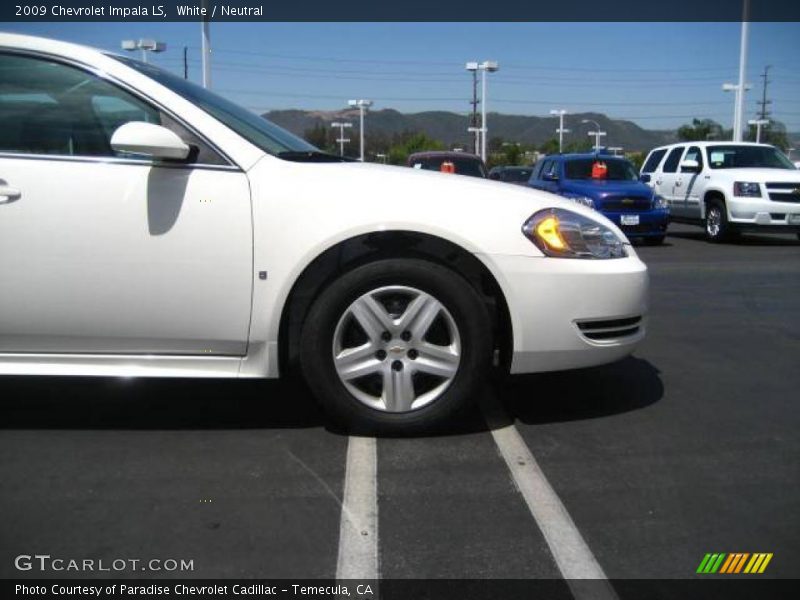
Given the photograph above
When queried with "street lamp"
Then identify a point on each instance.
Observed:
(341, 139)
(382, 157)
(362, 105)
(487, 66)
(758, 123)
(596, 133)
(561, 131)
(615, 150)
(145, 45)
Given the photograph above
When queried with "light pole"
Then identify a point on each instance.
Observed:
(473, 128)
(596, 133)
(205, 43)
(341, 139)
(489, 66)
(789, 153)
(145, 45)
(561, 131)
(615, 150)
(382, 157)
(741, 87)
(758, 123)
(362, 105)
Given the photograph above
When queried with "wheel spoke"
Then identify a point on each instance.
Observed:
(353, 363)
(372, 316)
(420, 315)
(398, 390)
(433, 359)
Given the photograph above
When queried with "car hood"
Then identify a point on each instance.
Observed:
(481, 215)
(598, 190)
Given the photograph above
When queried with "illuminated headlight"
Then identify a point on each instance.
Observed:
(562, 233)
(747, 189)
(659, 202)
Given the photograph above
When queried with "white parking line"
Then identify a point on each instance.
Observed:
(358, 528)
(571, 553)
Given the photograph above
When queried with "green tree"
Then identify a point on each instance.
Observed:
(700, 130)
(318, 136)
(408, 143)
(774, 133)
(549, 147)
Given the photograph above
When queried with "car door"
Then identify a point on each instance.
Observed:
(109, 253)
(688, 185)
(665, 181)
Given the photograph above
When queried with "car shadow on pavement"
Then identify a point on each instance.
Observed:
(154, 404)
(746, 239)
(93, 403)
(628, 385)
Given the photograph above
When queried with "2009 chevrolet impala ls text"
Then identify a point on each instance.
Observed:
(149, 227)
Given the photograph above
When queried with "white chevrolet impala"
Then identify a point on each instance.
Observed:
(149, 227)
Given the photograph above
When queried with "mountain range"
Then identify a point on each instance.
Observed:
(451, 128)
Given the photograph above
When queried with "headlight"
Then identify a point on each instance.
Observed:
(748, 189)
(565, 234)
(659, 202)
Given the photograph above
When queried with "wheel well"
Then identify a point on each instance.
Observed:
(363, 249)
(712, 196)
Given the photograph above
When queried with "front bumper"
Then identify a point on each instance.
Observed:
(554, 302)
(651, 222)
(758, 213)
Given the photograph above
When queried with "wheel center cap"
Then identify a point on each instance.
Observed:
(397, 349)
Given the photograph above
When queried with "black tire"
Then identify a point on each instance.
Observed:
(655, 240)
(455, 294)
(716, 223)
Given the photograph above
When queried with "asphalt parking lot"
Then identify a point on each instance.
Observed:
(688, 447)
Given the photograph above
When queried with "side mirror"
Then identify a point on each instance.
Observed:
(690, 166)
(138, 137)
(645, 177)
(550, 177)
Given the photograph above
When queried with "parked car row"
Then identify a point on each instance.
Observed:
(726, 187)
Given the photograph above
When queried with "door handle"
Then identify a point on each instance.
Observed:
(678, 183)
(9, 194)
(658, 182)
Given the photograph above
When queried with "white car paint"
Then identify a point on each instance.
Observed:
(120, 267)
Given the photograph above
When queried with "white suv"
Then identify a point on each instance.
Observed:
(727, 186)
(149, 227)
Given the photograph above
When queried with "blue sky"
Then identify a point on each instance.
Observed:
(659, 75)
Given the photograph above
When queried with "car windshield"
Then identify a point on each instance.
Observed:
(747, 157)
(255, 129)
(517, 175)
(600, 169)
(462, 165)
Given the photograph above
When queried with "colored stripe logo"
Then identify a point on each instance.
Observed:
(734, 563)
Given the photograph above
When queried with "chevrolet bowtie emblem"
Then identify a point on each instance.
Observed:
(627, 200)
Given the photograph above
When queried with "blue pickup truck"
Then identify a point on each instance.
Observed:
(610, 185)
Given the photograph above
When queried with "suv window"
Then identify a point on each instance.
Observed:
(693, 153)
(51, 108)
(653, 160)
(549, 168)
(671, 164)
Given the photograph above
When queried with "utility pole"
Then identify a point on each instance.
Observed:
(341, 139)
(206, 47)
(764, 113)
(362, 105)
(185, 63)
